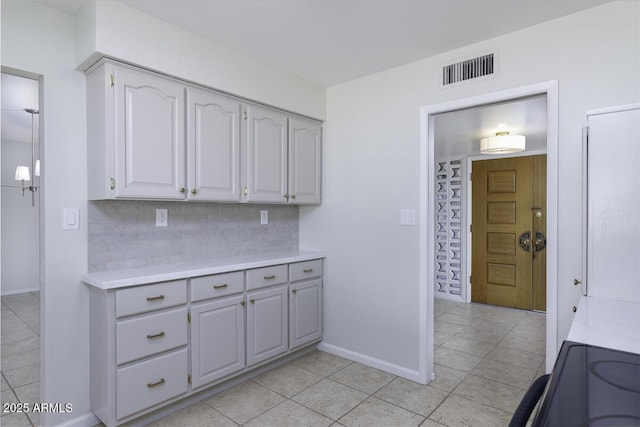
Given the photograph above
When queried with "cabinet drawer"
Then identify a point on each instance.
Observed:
(151, 334)
(216, 285)
(267, 276)
(150, 297)
(305, 270)
(150, 382)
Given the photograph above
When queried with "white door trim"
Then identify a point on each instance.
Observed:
(427, 214)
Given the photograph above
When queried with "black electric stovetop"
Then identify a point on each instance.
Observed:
(592, 386)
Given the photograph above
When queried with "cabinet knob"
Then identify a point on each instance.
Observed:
(252, 301)
(286, 196)
(194, 191)
(242, 303)
(182, 189)
(293, 196)
(293, 291)
(575, 308)
(576, 282)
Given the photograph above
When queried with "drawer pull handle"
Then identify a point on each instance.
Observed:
(154, 336)
(156, 384)
(307, 270)
(158, 298)
(224, 285)
(273, 276)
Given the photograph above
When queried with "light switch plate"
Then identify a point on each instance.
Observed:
(264, 217)
(71, 219)
(407, 217)
(162, 217)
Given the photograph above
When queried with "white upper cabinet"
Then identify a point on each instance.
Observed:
(155, 137)
(305, 161)
(266, 163)
(149, 132)
(136, 135)
(213, 134)
(284, 158)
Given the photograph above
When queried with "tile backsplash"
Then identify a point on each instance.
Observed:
(123, 234)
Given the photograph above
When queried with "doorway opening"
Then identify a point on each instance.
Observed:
(434, 157)
(21, 238)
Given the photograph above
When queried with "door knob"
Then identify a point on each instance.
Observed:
(525, 241)
(540, 243)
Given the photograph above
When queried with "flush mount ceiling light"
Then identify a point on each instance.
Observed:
(502, 143)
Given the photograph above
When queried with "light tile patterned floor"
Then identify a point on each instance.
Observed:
(20, 354)
(485, 359)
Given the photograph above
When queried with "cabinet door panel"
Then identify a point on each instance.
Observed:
(266, 156)
(305, 312)
(149, 136)
(267, 334)
(217, 339)
(305, 161)
(214, 146)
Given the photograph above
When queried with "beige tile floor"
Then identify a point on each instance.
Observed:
(485, 358)
(20, 355)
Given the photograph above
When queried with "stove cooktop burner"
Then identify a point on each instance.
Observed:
(623, 375)
(592, 386)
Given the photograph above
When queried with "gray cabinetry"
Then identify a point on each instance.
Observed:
(156, 343)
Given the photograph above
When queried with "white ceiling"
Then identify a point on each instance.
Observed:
(333, 41)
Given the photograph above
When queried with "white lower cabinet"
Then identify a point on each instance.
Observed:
(157, 343)
(305, 312)
(267, 334)
(217, 339)
(147, 383)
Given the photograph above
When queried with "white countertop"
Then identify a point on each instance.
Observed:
(140, 276)
(607, 323)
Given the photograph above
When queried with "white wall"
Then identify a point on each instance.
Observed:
(42, 40)
(39, 39)
(371, 164)
(114, 29)
(20, 221)
(20, 243)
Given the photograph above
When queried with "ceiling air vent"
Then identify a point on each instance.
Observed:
(467, 70)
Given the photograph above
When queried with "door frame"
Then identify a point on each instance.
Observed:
(426, 218)
(467, 189)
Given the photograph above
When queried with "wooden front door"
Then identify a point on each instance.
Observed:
(508, 229)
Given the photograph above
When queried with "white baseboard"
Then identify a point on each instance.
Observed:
(401, 371)
(20, 291)
(85, 420)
